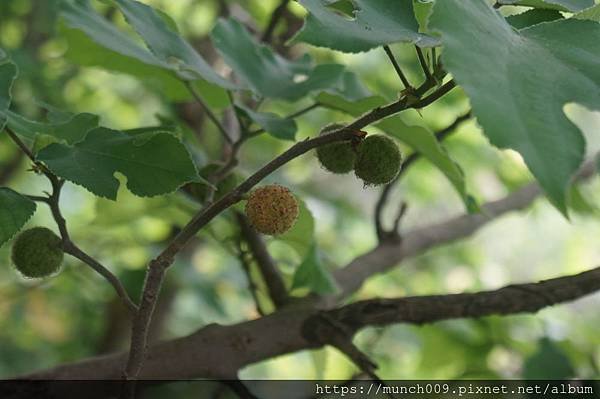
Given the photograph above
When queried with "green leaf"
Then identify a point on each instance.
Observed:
(302, 236)
(549, 362)
(70, 131)
(270, 75)
(154, 163)
(561, 5)
(167, 45)
(533, 17)
(419, 138)
(281, 128)
(93, 41)
(422, 12)
(370, 25)
(350, 88)
(15, 211)
(312, 274)
(580, 204)
(8, 73)
(593, 14)
(529, 76)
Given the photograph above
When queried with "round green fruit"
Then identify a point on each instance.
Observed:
(200, 190)
(37, 253)
(337, 157)
(378, 160)
(272, 209)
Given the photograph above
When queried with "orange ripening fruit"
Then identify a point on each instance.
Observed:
(272, 209)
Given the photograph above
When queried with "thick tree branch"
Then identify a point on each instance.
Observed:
(219, 351)
(512, 299)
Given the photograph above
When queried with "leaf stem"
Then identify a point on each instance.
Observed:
(394, 62)
(209, 113)
(15, 138)
(423, 63)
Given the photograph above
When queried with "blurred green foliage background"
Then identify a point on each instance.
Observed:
(74, 315)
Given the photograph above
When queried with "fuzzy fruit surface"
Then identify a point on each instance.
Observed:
(200, 190)
(378, 160)
(272, 209)
(37, 252)
(337, 157)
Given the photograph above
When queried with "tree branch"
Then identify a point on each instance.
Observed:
(512, 299)
(219, 351)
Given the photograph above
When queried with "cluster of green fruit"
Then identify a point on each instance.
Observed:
(37, 253)
(376, 159)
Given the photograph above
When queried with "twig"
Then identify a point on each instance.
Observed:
(394, 62)
(275, 17)
(382, 234)
(246, 266)
(240, 122)
(266, 264)
(209, 112)
(322, 329)
(72, 249)
(303, 111)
